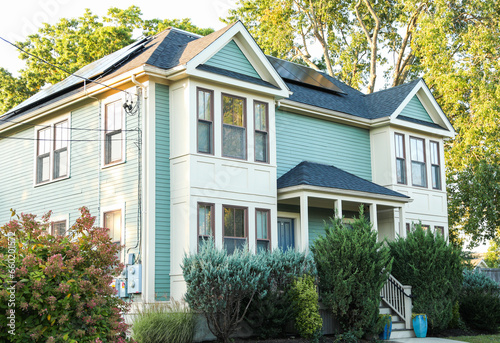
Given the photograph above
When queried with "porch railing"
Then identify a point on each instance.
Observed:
(398, 298)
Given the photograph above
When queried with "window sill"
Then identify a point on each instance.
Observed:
(51, 181)
(113, 164)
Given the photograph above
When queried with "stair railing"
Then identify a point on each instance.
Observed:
(398, 298)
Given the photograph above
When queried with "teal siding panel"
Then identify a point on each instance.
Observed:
(414, 109)
(301, 138)
(317, 219)
(162, 193)
(230, 57)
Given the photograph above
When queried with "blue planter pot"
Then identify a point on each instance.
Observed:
(386, 334)
(420, 325)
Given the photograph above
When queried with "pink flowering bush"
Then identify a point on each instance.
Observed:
(57, 288)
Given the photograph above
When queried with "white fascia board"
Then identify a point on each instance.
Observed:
(295, 191)
(75, 98)
(250, 47)
(422, 128)
(431, 106)
(248, 86)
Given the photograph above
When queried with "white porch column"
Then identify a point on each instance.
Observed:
(402, 222)
(338, 208)
(304, 223)
(373, 216)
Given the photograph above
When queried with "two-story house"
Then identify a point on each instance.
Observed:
(178, 138)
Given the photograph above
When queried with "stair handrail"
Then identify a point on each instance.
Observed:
(393, 293)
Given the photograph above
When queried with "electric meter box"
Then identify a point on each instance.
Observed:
(134, 278)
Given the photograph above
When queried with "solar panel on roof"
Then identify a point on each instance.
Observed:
(302, 74)
(90, 71)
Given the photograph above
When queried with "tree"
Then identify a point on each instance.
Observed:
(73, 43)
(57, 288)
(492, 257)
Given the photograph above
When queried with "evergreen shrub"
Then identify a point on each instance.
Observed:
(308, 321)
(269, 315)
(57, 288)
(223, 286)
(432, 267)
(164, 323)
(480, 301)
(352, 269)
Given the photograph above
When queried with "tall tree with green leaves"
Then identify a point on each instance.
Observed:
(73, 43)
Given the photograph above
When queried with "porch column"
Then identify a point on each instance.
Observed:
(402, 222)
(304, 223)
(338, 208)
(373, 216)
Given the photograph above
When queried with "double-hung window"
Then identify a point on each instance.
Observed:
(113, 221)
(261, 131)
(262, 228)
(113, 141)
(205, 223)
(400, 158)
(52, 152)
(205, 121)
(234, 137)
(58, 228)
(235, 228)
(435, 165)
(418, 172)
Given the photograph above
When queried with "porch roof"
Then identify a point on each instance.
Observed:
(322, 175)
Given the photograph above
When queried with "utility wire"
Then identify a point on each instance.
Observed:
(64, 70)
(29, 126)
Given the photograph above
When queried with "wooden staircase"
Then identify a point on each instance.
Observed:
(396, 301)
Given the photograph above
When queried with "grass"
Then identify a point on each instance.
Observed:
(477, 339)
(164, 322)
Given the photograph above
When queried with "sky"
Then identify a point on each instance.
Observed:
(20, 18)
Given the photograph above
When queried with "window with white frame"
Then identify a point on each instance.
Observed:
(418, 169)
(52, 152)
(400, 158)
(234, 137)
(262, 226)
(113, 222)
(261, 120)
(435, 165)
(113, 127)
(205, 121)
(58, 228)
(205, 223)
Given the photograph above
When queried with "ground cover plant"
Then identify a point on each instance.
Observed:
(433, 268)
(60, 284)
(352, 269)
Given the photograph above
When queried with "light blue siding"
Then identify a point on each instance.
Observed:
(230, 57)
(64, 197)
(317, 219)
(162, 197)
(301, 138)
(414, 109)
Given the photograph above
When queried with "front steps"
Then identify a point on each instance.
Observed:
(398, 325)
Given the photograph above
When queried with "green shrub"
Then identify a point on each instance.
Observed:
(352, 269)
(480, 301)
(223, 286)
(433, 268)
(304, 296)
(63, 291)
(164, 323)
(269, 315)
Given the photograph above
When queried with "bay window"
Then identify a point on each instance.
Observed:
(263, 229)
(400, 158)
(418, 169)
(234, 127)
(235, 228)
(205, 121)
(435, 165)
(205, 223)
(261, 121)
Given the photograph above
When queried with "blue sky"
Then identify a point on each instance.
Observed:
(20, 18)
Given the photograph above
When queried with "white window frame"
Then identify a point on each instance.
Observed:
(59, 218)
(109, 100)
(112, 208)
(38, 127)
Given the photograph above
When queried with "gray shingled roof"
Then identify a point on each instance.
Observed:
(322, 175)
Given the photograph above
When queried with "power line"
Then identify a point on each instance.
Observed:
(64, 70)
(29, 126)
(63, 140)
